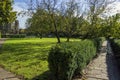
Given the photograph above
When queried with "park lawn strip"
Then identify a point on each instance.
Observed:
(27, 56)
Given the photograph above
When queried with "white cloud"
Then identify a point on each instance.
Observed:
(112, 9)
(21, 6)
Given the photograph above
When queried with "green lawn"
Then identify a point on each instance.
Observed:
(27, 56)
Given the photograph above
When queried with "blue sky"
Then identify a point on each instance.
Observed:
(21, 5)
(18, 0)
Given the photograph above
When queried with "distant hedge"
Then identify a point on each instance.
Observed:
(98, 42)
(14, 36)
(68, 59)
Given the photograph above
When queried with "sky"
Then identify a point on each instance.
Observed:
(21, 5)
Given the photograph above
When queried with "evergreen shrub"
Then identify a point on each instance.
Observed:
(68, 59)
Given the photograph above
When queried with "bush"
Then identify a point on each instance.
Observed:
(67, 59)
(98, 43)
(14, 36)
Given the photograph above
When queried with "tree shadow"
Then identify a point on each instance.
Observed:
(44, 76)
(112, 68)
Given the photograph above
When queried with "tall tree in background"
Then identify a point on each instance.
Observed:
(71, 18)
(67, 17)
(62, 16)
(38, 24)
(7, 16)
(52, 7)
(96, 8)
(113, 26)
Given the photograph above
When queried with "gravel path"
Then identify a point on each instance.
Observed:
(6, 75)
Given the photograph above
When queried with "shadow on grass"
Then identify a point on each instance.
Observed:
(27, 58)
(25, 52)
(44, 76)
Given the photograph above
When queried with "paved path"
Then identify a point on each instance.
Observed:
(6, 75)
(104, 67)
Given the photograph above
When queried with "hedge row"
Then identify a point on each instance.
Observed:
(68, 59)
(13, 36)
(98, 43)
(115, 44)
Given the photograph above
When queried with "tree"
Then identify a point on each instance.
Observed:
(67, 18)
(96, 8)
(38, 24)
(72, 16)
(7, 15)
(114, 26)
(52, 7)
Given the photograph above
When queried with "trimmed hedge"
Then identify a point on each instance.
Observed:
(68, 59)
(98, 43)
(14, 36)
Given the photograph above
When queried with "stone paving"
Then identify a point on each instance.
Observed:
(6, 75)
(104, 67)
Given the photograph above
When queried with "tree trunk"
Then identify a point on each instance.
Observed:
(56, 32)
(68, 39)
(58, 38)
(40, 35)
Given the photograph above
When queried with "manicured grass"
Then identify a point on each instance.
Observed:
(27, 56)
